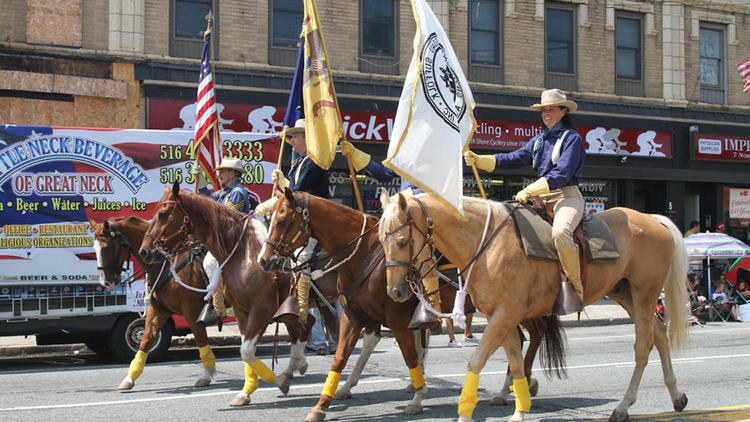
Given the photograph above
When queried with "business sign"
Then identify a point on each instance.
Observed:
(376, 127)
(739, 203)
(722, 147)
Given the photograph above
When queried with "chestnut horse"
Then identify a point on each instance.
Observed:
(351, 238)
(509, 287)
(234, 239)
(120, 237)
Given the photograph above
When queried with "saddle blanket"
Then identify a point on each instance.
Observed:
(535, 236)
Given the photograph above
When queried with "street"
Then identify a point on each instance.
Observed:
(713, 372)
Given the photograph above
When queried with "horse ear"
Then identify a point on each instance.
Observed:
(176, 188)
(401, 202)
(289, 195)
(92, 222)
(385, 199)
(105, 226)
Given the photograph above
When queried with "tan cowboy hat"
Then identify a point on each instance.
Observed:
(232, 164)
(299, 127)
(555, 97)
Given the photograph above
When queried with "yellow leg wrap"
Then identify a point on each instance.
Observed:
(137, 364)
(207, 357)
(468, 399)
(251, 380)
(265, 373)
(521, 390)
(416, 377)
(332, 383)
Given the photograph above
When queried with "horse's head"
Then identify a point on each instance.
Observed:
(289, 230)
(168, 228)
(406, 244)
(112, 250)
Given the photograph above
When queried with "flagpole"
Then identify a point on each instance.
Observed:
(197, 164)
(479, 181)
(353, 176)
(282, 136)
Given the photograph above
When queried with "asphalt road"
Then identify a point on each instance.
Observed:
(713, 371)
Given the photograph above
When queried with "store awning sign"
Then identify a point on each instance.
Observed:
(721, 147)
(739, 203)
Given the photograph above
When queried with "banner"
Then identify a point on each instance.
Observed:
(434, 120)
(722, 147)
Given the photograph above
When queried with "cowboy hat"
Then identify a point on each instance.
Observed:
(231, 164)
(555, 97)
(299, 127)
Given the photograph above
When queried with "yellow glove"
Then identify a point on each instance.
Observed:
(484, 162)
(358, 158)
(266, 207)
(278, 179)
(539, 187)
(200, 177)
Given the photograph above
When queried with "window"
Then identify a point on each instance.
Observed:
(286, 25)
(629, 54)
(560, 35)
(188, 24)
(485, 41)
(378, 36)
(712, 63)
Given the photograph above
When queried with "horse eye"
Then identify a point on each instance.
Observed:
(402, 243)
(163, 215)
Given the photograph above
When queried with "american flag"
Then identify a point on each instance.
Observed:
(207, 142)
(744, 68)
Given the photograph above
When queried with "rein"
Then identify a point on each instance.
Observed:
(116, 234)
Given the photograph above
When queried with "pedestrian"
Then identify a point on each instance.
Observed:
(557, 155)
(693, 228)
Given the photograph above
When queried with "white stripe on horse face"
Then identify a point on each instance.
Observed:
(100, 264)
(247, 349)
(263, 251)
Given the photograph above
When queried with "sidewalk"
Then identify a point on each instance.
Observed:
(603, 312)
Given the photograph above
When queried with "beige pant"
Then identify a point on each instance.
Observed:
(568, 205)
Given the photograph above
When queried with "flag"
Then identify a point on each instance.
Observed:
(322, 118)
(294, 103)
(744, 68)
(206, 143)
(435, 116)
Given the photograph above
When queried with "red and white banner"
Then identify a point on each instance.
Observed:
(722, 147)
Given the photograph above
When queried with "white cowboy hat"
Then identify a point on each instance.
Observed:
(299, 127)
(232, 164)
(555, 97)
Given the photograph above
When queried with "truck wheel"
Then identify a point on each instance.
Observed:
(126, 336)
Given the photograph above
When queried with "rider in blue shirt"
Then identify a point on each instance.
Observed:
(557, 156)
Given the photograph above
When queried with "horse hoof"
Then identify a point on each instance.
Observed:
(618, 416)
(315, 415)
(343, 394)
(462, 418)
(202, 382)
(413, 409)
(533, 387)
(409, 388)
(283, 384)
(302, 369)
(517, 417)
(241, 399)
(680, 403)
(499, 400)
(126, 384)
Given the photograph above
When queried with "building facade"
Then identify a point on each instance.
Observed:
(661, 105)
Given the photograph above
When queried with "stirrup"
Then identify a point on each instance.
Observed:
(567, 301)
(423, 319)
(207, 316)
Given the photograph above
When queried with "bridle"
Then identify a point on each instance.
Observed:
(122, 254)
(161, 242)
(283, 249)
(414, 267)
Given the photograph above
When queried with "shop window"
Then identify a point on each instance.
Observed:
(378, 51)
(187, 26)
(629, 54)
(485, 41)
(284, 31)
(560, 46)
(713, 72)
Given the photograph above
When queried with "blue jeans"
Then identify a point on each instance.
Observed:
(318, 338)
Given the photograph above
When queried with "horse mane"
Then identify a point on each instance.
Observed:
(371, 219)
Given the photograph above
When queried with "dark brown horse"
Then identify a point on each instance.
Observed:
(351, 239)
(234, 239)
(119, 238)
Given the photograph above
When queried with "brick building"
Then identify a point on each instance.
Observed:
(661, 106)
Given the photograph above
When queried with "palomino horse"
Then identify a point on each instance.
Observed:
(116, 240)
(234, 239)
(509, 287)
(351, 239)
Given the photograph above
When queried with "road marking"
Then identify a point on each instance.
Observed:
(739, 413)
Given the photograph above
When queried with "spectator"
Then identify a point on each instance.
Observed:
(742, 293)
(722, 300)
(321, 341)
(697, 301)
(720, 228)
(693, 228)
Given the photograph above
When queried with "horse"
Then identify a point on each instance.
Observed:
(115, 241)
(507, 286)
(234, 239)
(350, 238)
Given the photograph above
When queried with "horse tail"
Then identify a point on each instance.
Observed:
(552, 355)
(676, 299)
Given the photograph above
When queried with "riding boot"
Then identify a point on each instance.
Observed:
(219, 307)
(207, 316)
(567, 302)
(303, 297)
(422, 318)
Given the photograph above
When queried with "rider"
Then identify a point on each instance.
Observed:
(361, 160)
(304, 176)
(234, 195)
(557, 155)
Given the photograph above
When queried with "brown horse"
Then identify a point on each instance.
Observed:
(351, 239)
(234, 239)
(509, 287)
(116, 240)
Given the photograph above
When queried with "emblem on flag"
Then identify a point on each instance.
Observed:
(440, 83)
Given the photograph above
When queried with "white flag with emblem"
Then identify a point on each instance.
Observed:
(435, 116)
